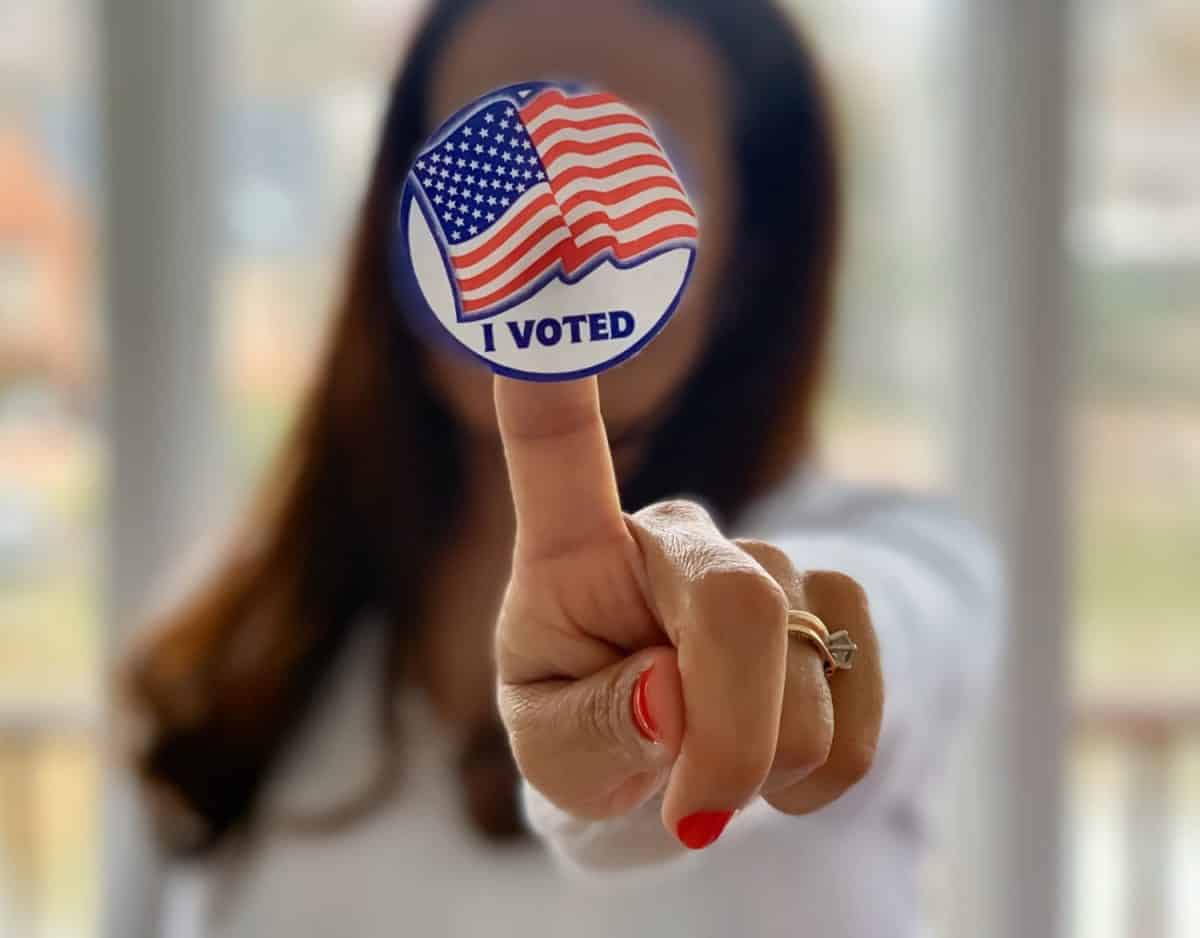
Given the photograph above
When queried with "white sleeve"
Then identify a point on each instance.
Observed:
(933, 586)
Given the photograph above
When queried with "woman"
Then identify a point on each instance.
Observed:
(320, 719)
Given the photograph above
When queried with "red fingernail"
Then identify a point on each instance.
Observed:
(641, 707)
(697, 831)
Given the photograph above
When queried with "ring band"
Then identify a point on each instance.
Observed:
(836, 650)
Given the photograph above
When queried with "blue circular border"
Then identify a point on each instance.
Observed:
(407, 288)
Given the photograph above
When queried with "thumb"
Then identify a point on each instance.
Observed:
(600, 746)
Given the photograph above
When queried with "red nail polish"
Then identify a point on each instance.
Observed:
(641, 708)
(698, 830)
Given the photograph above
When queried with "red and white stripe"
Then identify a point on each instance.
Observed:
(611, 188)
(496, 264)
(613, 182)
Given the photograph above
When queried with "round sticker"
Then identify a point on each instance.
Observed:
(544, 229)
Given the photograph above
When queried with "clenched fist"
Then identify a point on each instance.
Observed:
(641, 651)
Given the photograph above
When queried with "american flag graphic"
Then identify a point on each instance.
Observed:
(523, 191)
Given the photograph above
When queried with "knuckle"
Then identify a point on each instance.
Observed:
(519, 714)
(772, 558)
(832, 589)
(673, 511)
(776, 562)
(517, 709)
(600, 719)
(727, 589)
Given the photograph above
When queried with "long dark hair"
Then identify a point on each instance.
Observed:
(367, 480)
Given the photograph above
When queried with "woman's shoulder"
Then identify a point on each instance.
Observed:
(336, 750)
(329, 806)
(930, 531)
(353, 732)
(814, 499)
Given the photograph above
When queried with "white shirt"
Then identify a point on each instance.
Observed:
(413, 866)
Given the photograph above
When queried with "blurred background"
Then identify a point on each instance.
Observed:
(301, 85)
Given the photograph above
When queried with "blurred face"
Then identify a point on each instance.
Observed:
(673, 76)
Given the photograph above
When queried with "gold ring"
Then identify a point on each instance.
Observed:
(836, 650)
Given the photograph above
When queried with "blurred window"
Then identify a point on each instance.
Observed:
(1135, 235)
(885, 415)
(307, 81)
(51, 462)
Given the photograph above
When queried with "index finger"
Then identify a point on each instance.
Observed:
(560, 468)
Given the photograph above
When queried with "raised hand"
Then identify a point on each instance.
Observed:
(640, 651)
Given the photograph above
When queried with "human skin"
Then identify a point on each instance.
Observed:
(730, 707)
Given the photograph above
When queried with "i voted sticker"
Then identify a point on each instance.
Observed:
(546, 231)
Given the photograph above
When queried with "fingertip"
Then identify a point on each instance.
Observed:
(699, 830)
(657, 702)
(539, 409)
